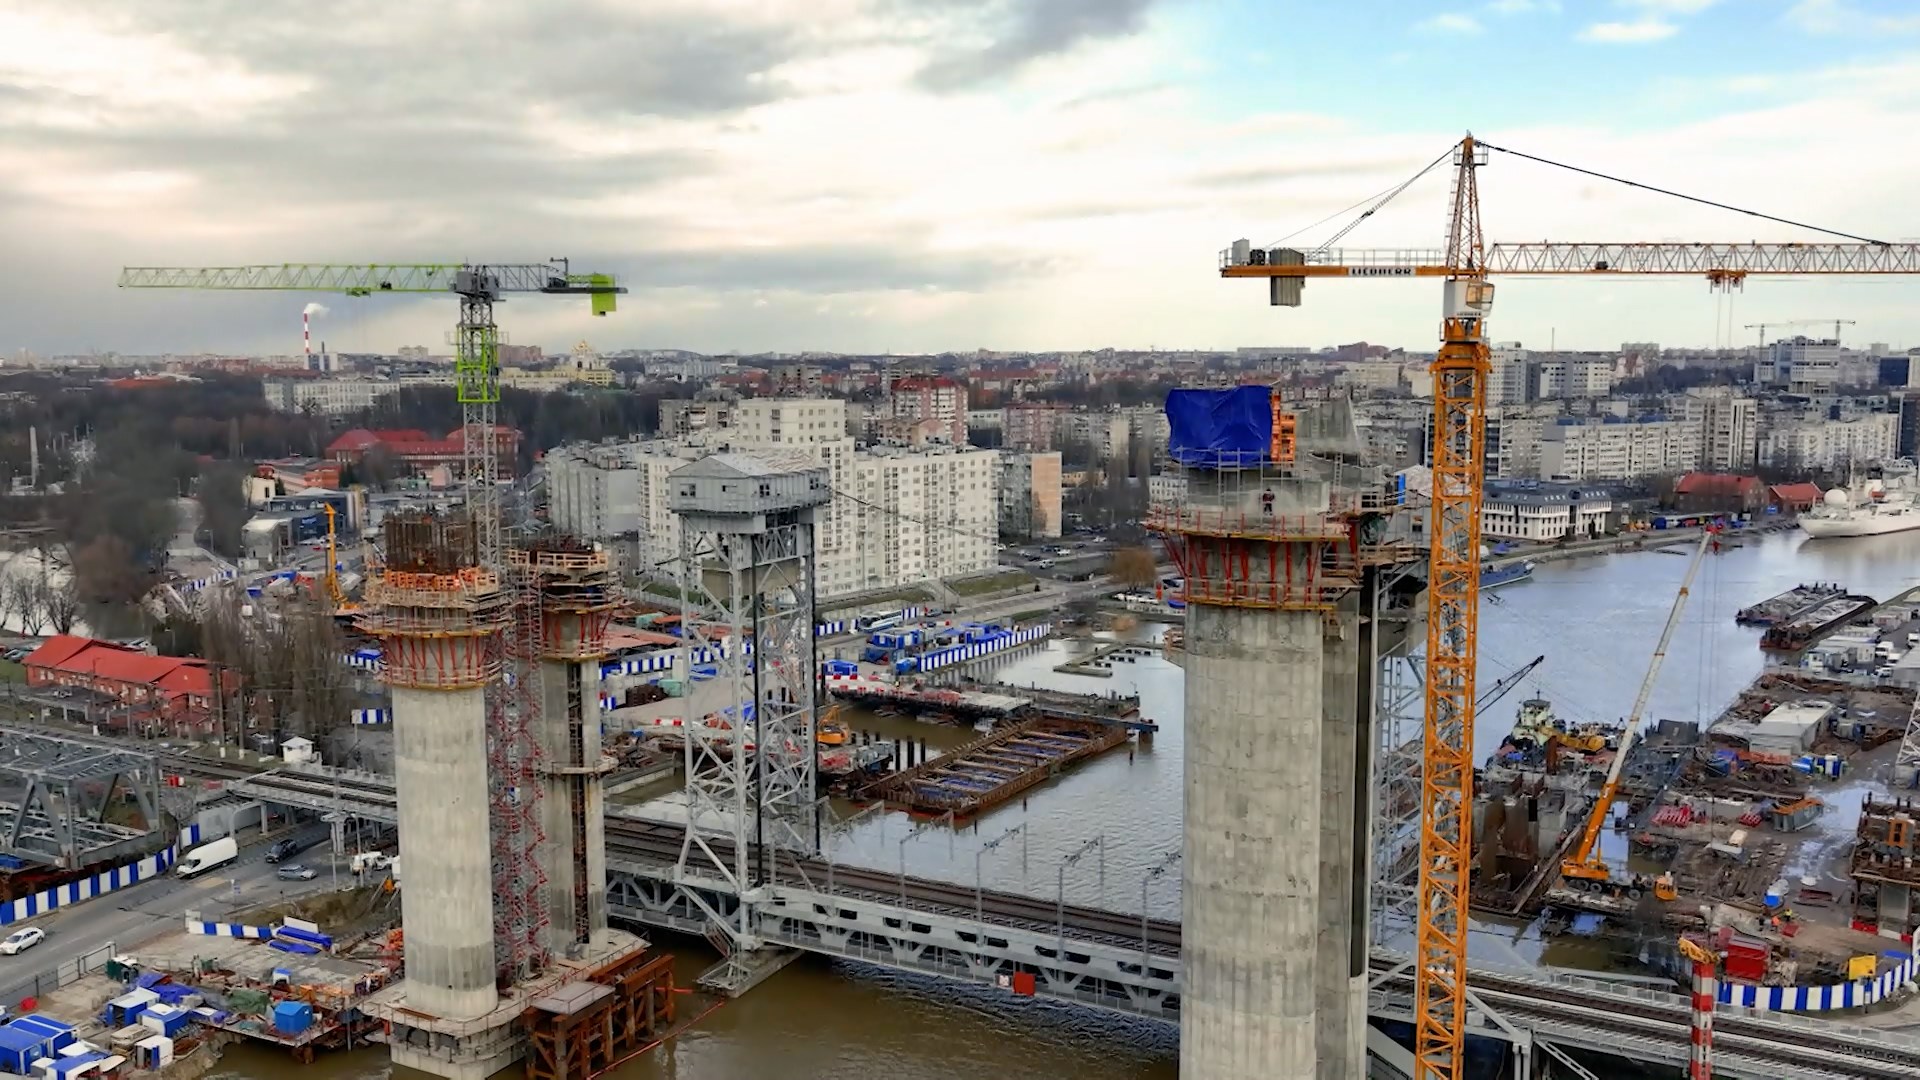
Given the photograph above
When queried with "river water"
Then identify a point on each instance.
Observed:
(1595, 619)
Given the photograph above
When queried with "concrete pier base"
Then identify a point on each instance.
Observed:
(1251, 874)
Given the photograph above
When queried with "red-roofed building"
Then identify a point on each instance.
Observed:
(170, 689)
(417, 451)
(1718, 493)
(1794, 498)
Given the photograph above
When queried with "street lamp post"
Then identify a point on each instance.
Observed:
(1060, 890)
(979, 889)
(1159, 868)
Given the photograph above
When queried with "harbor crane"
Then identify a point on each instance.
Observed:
(476, 362)
(1460, 371)
(1583, 869)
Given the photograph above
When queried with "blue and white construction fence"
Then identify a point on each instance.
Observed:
(100, 884)
(228, 929)
(936, 659)
(1845, 995)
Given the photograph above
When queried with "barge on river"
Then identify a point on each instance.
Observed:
(1787, 605)
(1809, 626)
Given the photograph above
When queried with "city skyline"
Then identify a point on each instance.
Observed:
(890, 176)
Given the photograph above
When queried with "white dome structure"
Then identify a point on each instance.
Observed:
(1836, 497)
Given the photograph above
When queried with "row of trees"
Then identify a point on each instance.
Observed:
(283, 662)
(36, 603)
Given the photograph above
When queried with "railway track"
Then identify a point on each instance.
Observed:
(1798, 1052)
(660, 842)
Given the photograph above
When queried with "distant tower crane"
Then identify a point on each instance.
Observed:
(1764, 326)
(476, 364)
(1460, 372)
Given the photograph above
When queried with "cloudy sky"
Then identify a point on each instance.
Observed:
(917, 175)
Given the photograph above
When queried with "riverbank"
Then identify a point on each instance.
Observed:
(1626, 542)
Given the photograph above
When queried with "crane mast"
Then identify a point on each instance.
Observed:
(1453, 603)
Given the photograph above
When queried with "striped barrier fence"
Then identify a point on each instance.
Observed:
(228, 929)
(1847, 995)
(100, 884)
(189, 837)
(365, 659)
(831, 627)
(372, 717)
(960, 654)
(641, 664)
(608, 703)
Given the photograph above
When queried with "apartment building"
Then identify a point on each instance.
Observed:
(1574, 377)
(1576, 449)
(937, 399)
(818, 426)
(1030, 495)
(1801, 365)
(1033, 427)
(1728, 424)
(326, 397)
(1107, 434)
(1814, 443)
(1507, 378)
(619, 489)
(928, 512)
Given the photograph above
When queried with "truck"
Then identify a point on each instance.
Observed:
(207, 856)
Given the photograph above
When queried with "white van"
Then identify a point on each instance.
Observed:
(207, 856)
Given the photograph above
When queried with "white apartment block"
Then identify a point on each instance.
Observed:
(930, 512)
(1815, 444)
(327, 397)
(1728, 424)
(1575, 377)
(1653, 446)
(1802, 365)
(1507, 379)
(619, 489)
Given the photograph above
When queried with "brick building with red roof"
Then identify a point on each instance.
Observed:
(171, 689)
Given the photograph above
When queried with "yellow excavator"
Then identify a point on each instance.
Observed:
(1584, 870)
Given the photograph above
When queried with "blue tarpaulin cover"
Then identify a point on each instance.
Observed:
(1220, 428)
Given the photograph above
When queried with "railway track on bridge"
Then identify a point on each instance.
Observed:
(1800, 1053)
(660, 842)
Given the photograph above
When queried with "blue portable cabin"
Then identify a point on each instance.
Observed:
(32, 1037)
(292, 1017)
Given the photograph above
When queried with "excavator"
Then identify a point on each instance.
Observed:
(1584, 870)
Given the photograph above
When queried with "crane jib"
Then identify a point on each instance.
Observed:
(1379, 271)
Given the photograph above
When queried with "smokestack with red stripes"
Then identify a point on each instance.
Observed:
(306, 331)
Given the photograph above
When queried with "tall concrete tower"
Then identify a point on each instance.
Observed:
(568, 585)
(437, 615)
(1271, 524)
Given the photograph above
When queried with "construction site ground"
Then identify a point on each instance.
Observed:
(1811, 860)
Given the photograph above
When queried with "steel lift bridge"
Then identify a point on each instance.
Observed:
(57, 795)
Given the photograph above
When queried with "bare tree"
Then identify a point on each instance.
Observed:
(1133, 567)
(27, 605)
(60, 602)
(6, 598)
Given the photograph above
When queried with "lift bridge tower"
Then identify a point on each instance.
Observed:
(747, 653)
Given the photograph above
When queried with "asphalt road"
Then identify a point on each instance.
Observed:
(144, 911)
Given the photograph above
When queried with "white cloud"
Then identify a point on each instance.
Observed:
(1837, 17)
(1451, 22)
(1522, 7)
(1639, 32)
(1671, 7)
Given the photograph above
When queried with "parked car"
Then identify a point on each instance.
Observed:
(21, 940)
(296, 872)
(282, 849)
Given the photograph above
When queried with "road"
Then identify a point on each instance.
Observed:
(141, 912)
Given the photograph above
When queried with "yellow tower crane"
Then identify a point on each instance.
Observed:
(1460, 372)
